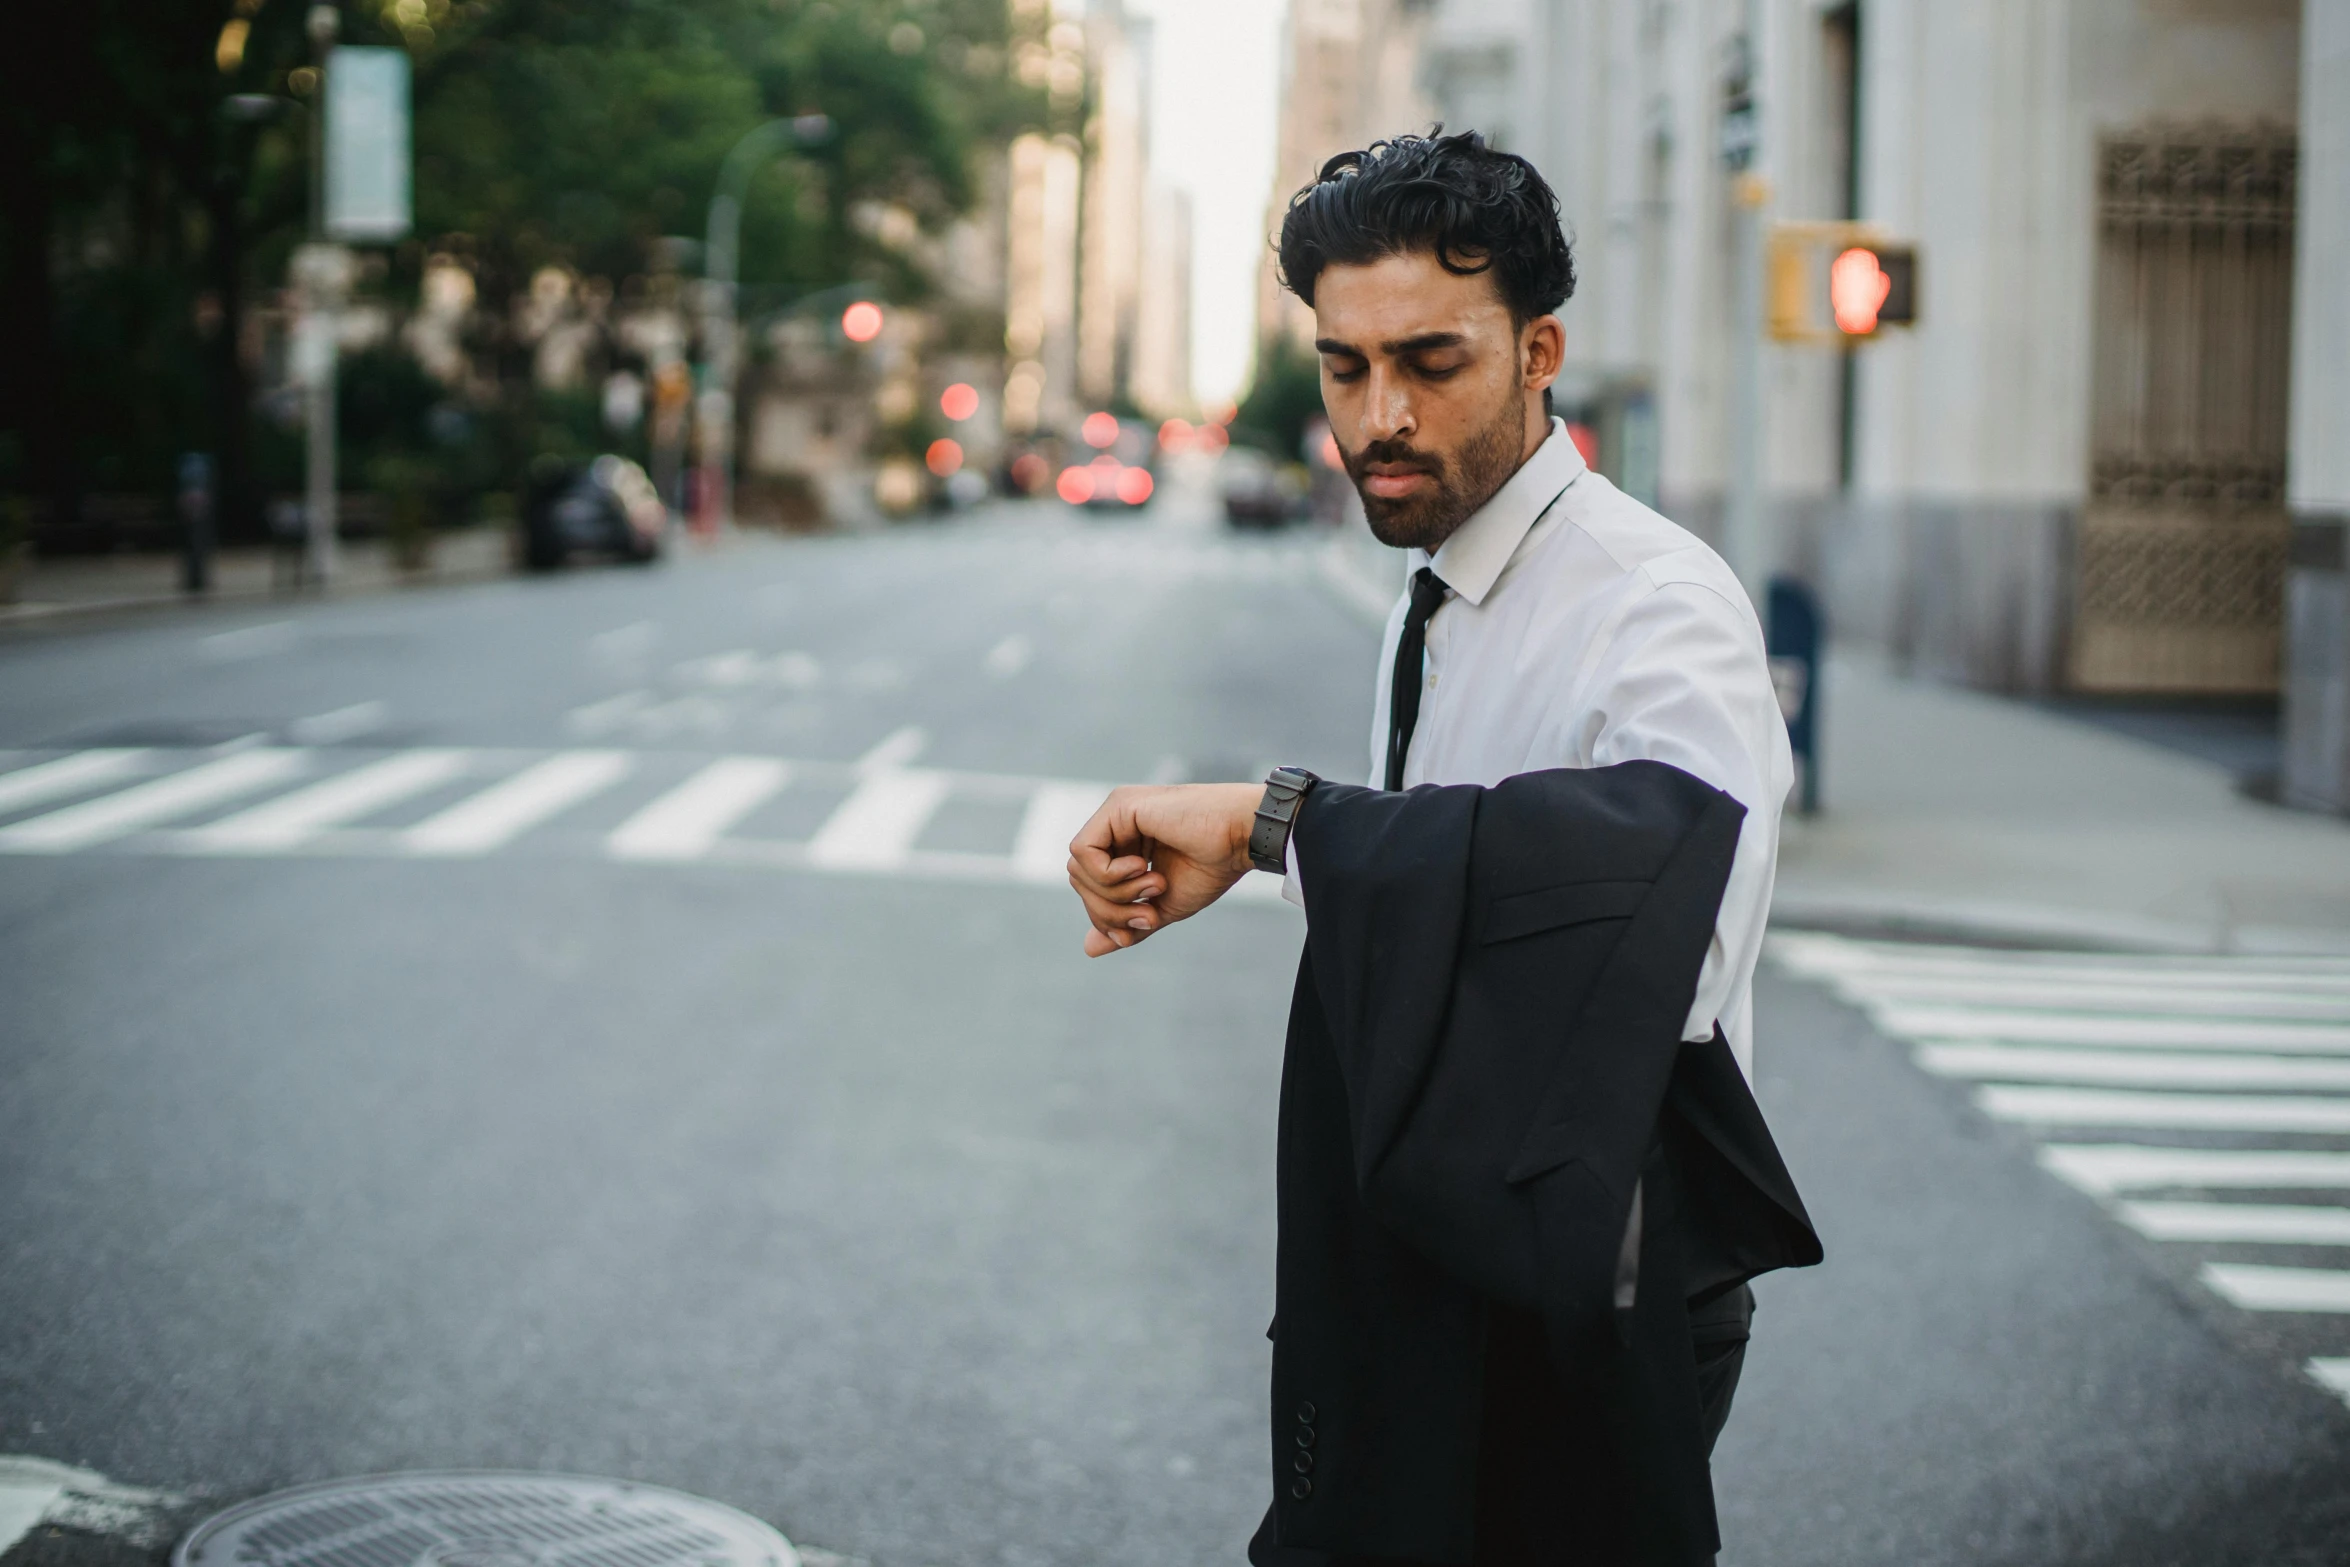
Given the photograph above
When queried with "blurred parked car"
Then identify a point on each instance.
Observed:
(1120, 474)
(606, 507)
(1259, 492)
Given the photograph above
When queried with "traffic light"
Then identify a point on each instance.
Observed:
(1872, 286)
(1838, 283)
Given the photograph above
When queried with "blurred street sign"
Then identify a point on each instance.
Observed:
(1836, 283)
(367, 152)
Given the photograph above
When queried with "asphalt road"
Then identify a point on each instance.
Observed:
(838, 1185)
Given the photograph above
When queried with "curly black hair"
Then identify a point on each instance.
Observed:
(1476, 209)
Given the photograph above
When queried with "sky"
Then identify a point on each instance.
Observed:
(1213, 115)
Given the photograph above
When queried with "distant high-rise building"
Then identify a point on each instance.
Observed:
(1161, 381)
(1349, 75)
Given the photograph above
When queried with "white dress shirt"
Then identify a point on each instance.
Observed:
(1582, 629)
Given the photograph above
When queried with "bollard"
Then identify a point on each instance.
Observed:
(1792, 634)
(195, 505)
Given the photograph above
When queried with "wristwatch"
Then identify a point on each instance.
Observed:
(1268, 839)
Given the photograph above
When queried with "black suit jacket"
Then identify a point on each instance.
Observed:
(1486, 1099)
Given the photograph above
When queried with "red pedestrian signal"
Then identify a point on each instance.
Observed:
(1857, 287)
(1829, 285)
(1872, 286)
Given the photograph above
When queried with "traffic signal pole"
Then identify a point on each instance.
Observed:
(1745, 527)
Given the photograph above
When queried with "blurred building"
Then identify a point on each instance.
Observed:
(1351, 71)
(1160, 380)
(2317, 591)
(1040, 302)
(2071, 472)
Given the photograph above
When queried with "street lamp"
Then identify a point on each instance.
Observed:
(721, 255)
(319, 276)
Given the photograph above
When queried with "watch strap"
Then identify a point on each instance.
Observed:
(1268, 836)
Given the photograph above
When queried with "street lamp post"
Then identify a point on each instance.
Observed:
(319, 278)
(721, 255)
(1745, 527)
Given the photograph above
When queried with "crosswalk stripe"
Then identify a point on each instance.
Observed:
(2091, 996)
(293, 819)
(2102, 1169)
(2182, 1112)
(2147, 1033)
(2265, 1224)
(2332, 1373)
(1040, 851)
(1838, 957)
(2133, 1068)
(152, 803)
(75, 774)
(685, 822)
(2260, 1287)
(511, 807)
(875, 828)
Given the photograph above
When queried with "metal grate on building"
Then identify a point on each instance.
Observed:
(479, 1518)
(2181, 550)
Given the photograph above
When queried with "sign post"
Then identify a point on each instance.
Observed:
(360, 196)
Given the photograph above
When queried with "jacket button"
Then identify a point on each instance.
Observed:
(1305, 1436)
(1305, 1411)
(1301, 1488)
(1303, 1463)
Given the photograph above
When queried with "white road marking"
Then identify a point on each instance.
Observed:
(509, 808)
(2182, 1112)
(2102, 1169)
(23, 1504)
(274, 636)
(1040, 851)
(874, 829)
(2133, 1068)
(2332, 1374)
(1008, 657)
(596, 719)
(685, 822)
(1826, 957)
(2257, 1287)
(153, 803)
(633, 640)
(294, 819)
(2134, 998)
(2262, 1224)
(75, 774)
(2018, 1026)
(737, 668)
(342, 725)
(79, 1499)
(895, 749)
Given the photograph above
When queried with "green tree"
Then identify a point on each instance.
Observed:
(156, 183)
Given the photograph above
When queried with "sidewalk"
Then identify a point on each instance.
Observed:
(81, 584)
(1948, 813)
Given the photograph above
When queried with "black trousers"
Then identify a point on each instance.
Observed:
(1530, 1466)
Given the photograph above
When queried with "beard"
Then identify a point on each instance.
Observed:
(1463, 480)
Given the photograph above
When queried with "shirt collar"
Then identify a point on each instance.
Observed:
(1472, 560)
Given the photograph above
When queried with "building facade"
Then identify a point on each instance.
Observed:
(2071, 472)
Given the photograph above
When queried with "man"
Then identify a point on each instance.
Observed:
(1551, 623)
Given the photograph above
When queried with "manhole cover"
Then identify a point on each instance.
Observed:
(481, 1518)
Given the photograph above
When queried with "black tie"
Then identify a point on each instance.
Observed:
(1411, 649)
